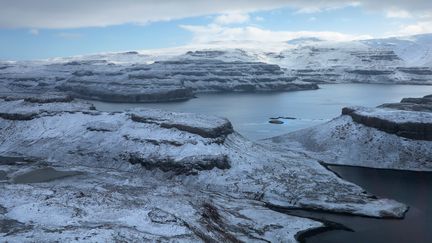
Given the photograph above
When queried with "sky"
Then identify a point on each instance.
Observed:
(37, 29)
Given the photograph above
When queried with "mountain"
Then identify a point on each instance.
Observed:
(179, 73)
(394, 60)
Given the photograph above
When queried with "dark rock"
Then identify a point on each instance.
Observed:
(417, 100)
(9, 160)
(3, 210)
(283, 117)
(131, 53)
(49, 98)
(82, 73)
(102, 127)
(188, 165)
(416, 70)
(416, 130)
(18, 116)
(412, 104)
(11, 226)
(370, 72)
(124, 93)
(203, 127)
(276, 121)
(161, 217)
(3, 176)
(408, 106)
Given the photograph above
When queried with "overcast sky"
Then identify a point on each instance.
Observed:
(32, 29)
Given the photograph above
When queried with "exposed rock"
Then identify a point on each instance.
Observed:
(49, 98)
(203, 125)
(159, 216)
(3, 176)
(370, 72)
(408, 124)
(14, 160)
(276, 121)
(284, 117)
(22, 109)
(188, 165)
(2, 210)
(103, 127)
(416, 70)
(10, 226)
(412, 104)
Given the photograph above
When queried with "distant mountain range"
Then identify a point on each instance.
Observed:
(179, 73)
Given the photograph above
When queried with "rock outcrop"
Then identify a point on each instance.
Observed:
(392, 136)
(408, 124)
(411, 118)
(412, 104)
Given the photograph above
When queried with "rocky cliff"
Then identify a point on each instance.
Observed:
(169, 80)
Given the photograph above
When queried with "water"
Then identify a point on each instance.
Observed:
(411, 188)
(250, 112)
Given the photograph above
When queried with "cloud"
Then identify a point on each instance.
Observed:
(34, 32)
(69, 36)
(41, 14)
(99, 13)
(398, 13)
(421, 27)
(232, 18)
(216, 33)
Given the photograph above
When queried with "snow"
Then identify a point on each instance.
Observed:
(116, 199)
(179, 73)
(397, 116)
(343, 141)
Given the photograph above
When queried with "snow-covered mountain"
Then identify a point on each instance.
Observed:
(179, 73)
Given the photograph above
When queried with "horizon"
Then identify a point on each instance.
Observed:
(47, 29)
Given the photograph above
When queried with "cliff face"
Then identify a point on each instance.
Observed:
(168, 80)
(411, 118)
(418, 127)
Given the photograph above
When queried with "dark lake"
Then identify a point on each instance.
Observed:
(250, 114)
(411, 188)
